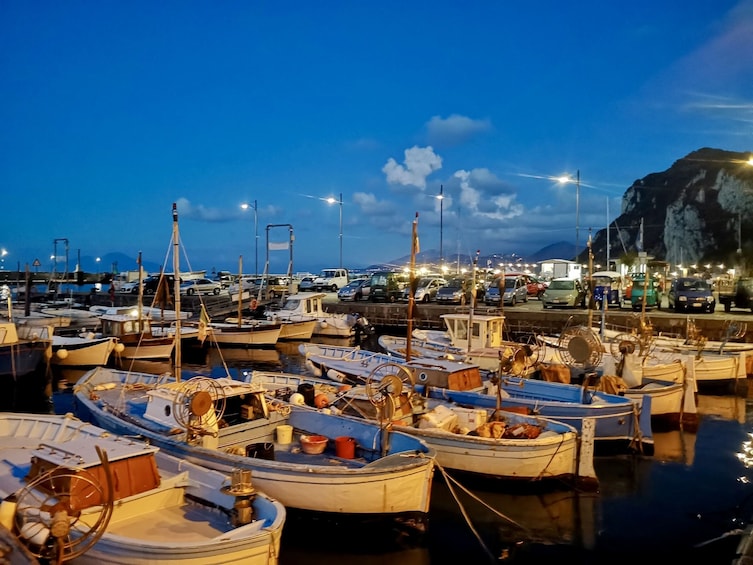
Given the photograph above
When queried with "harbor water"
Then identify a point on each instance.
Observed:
(691, 499)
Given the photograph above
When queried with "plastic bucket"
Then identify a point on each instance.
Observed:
(284, 434)
(345, 447)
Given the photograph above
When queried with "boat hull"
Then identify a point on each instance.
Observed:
(556, 454)
(80, 352)
(144, 511)
(229, 335)
(396, 485)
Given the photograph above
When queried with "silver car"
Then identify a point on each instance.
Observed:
(200, 286)
(426, 290)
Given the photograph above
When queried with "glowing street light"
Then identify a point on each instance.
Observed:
(568, 179)
(255, 207)
(333, 200)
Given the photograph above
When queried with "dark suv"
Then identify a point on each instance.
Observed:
(152, 283)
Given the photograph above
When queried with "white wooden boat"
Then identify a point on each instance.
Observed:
(162, 509)
(225, 424)
(510, 357)
(524, 448)
(251, 333)
(669, 383)
(711, 371)
(135, 334)
(300, 330)
(85, 350)
(36, 319)
(353, 365)
(620, 422)
(22, 348)
(478, 338)
(152, 312)
(309, 306)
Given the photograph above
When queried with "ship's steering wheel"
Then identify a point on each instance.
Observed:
(63, 512)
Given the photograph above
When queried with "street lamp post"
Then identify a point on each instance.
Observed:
(566, 179)
(440, 197)
(333, 200)
(256, 234)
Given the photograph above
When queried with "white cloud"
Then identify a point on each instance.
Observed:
(419, 163)
(455, 129)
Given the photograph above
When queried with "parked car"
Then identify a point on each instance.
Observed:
(387, 286)
(306, 284)
(636, 291)
(129, 287)
(426, 289)
(535, 286)
(564, 292)
(151, 283)
(200, 286)
(737, 293)
(511, 288)
(352, 291)
(515, 290)
(691, 294)
(225, 278)
(458, 290)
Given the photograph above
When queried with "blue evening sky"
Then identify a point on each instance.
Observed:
(111, 111)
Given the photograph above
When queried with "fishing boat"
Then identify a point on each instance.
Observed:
(252, 333)
(225, 424)
(351, 365)
(482, 441)
(23, 348)
(84, 350)
(74, 492)
(309, 306)
(478, 338)
(621, 423)
(134, 331)
(516, 358)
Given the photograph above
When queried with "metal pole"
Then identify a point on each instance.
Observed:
(341, 230)
(577, 213)
(441, 225)
(256, 239)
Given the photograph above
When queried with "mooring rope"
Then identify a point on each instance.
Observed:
(450, 481)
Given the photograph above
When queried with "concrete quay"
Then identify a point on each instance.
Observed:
(520, 319)
(531, 317)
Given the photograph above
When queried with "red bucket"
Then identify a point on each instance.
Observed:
(345, 447)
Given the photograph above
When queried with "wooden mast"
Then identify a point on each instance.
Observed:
(176, 284)
(140, 305)
(412, 288)
(240, 289)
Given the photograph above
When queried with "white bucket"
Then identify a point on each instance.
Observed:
(284, 434)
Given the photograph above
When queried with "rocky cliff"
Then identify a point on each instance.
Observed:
(698, 211)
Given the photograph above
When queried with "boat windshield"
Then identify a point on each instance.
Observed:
(291, 304)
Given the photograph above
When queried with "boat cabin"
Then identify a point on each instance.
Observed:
(308, 304)
(242, 403)
(485, 330)
(119, 325)
(131, 462)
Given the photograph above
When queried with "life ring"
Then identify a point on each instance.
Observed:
(254, 304)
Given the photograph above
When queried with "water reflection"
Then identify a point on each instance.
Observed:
(668, 506)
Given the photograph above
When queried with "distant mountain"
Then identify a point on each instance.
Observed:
(699, 211)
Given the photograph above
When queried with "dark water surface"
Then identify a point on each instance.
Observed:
(686, 501)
